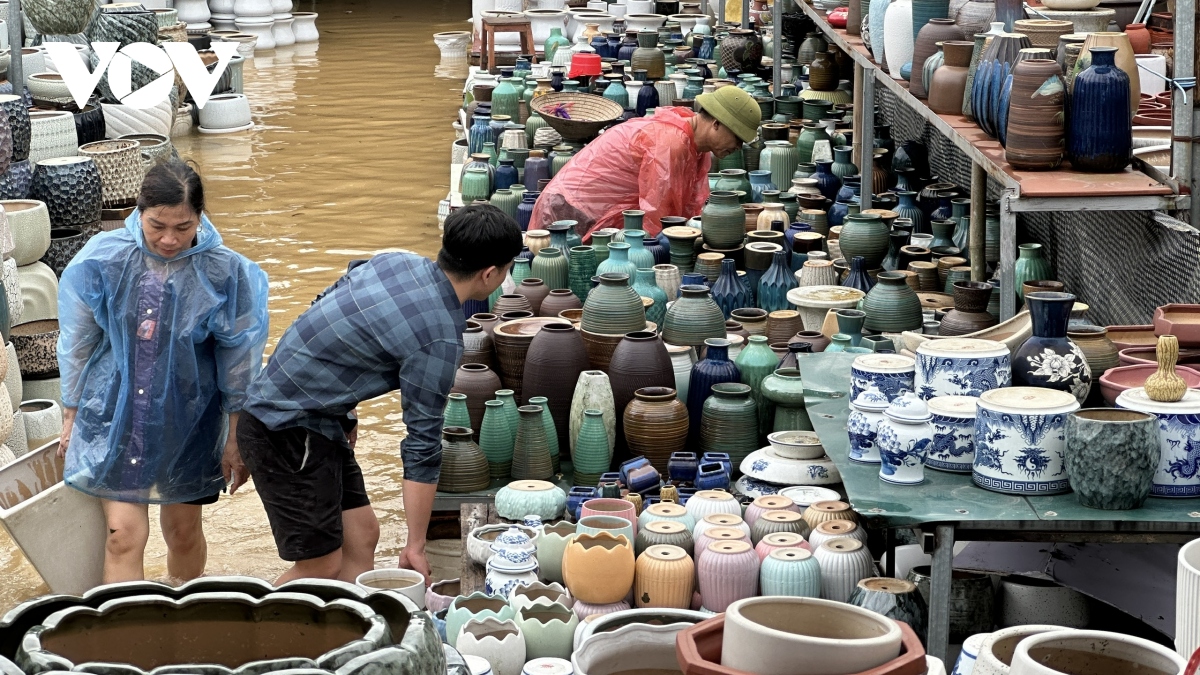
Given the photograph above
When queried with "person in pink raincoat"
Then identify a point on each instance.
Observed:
(657, 164)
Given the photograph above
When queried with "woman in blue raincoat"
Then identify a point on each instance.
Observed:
(161, 330)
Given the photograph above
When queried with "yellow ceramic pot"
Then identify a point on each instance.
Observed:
(819, 512)
(665, 578)
(599, 568)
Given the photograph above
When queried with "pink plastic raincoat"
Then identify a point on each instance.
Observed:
(649, 163)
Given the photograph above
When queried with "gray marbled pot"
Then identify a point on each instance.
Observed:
(1112, 456)
(243, 627)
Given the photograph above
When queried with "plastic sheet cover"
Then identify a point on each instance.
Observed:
(155, 353)
(648, 163)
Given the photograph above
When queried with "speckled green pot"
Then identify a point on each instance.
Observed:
(693, 318)
(729, 422)
(722, 221)
(1112, 456)
(580, 270)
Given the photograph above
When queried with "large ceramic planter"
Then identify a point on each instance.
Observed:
(71, 189)
(1020, 440)
(1025, 600)
(36, 344)
(1096, 651)
(120, 165)
(43, 421)
(52, 134)
(599, 568)
(961, 367)
(59, 17)
(1112, 457)
(1187, 598)
(29, 222)
(631, 639)
(498, 641)
(996, 651)
(1179, 435)
(894, 598)
(65, 243)
(530, 497)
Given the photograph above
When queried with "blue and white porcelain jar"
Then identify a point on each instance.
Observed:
(1020, 440)
(953, 447)
(509, 569)
(1178, 473)
(866, 413)
(961, 367)
(892, 374)
(513, 540)
(904, 438)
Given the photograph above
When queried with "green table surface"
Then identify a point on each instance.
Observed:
(949, 497)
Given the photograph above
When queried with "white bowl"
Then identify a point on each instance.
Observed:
(1092, 651)
(770, 635)
(1071, 5)
(806, 495)
(796, 444)
(408, 583)
(767, 465)
(225, 111)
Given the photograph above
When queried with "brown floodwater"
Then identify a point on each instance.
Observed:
(348, 157)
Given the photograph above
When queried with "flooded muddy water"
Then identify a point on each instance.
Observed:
(348, 157)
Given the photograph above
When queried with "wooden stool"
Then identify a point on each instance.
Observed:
(493, 25)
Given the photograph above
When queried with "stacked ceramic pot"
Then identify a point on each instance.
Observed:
(256, 17)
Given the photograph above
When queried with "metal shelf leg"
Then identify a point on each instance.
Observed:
(939, 591)
(978, 222)
(745, 13)
(1008, 258)
(868, 138)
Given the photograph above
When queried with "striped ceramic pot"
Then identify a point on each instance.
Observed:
(791, 571)
(843, 563)
(728, 572)
(777, 541)
(665, 577)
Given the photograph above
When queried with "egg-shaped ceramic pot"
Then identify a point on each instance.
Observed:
(779, 540)
(708, 502)
(498, 641)
(476, 606)
(599, 568)
(550, 548)
(664, 511)
(843, 563)
(727, 572)
(548, 628)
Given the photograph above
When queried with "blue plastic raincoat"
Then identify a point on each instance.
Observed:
(155, 354)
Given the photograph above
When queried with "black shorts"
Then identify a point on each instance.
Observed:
(305, 481)
(204, 501)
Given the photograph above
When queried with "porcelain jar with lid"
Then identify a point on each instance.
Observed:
(1020, 440)
(866, 413)
(506, 570)
(514, 540)
(961, 367)
(892, 374)
(904, 438)
(1178, 473)
(953, 447)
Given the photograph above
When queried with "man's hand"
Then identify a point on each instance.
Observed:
(413, 558)
(231, 462)
(64, 438)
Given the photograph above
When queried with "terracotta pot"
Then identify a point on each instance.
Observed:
(728, 572)
(599, 568)
(553, 363)
(656, 425)
(479, 384)
(935, 31)
(950, 81)
(665, 577)
(1036, 135)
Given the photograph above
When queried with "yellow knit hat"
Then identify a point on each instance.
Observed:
(735, 109)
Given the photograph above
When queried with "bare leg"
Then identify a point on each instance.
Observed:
(125, 547)
(326, 567)
(360, 535)
(183, 530)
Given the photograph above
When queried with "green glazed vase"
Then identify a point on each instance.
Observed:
(456, 414)
(812, 134)
(476, 184)
(508, 398)
(781, 158)
(735, 180)
(496, 440)
(722, 221)
(646, 287)
(600, 241)
(550, 266)
(892, 306)
(506, 99)
(592, 454)
(638, 254)
(1031, 266)
(785, 390)
(866, 235)
(943, 232)
(729, 422)
(553, 43)
(843, 162)
(506, 200)
(521, 270)
(580, 271)
(693, 318)
(551, 430)
(755, 362)
(614, 307)
(559, 158)
(531, 450)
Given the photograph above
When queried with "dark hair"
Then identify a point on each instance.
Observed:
(477, 237)
(171, 183)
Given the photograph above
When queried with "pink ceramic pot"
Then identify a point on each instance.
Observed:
(728, 572)
(778, 540)
(768, 503)
(1116, 380)
(618, 508)
(716, 534)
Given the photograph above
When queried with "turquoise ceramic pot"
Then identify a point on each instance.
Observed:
(791, 572)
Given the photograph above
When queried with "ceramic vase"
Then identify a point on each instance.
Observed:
(1020, 440)
(892, 306)
(903, 440)
(593, 391)
(656, 424)
(898, 36)
(723, 221)
(693, 318)
(599, 568)
(1049, 358)
(1035, 140)
(1101, 91)
(930, 33)
(729, 422)
(665, 577)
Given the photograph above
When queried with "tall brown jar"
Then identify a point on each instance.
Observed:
(950, 81)
(823, 72)
(656, 425)
(937, 30)
(1036, 137)
(479, 384)
(640, 360)
(553, 363)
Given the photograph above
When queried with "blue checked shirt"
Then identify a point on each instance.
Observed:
(392, 322)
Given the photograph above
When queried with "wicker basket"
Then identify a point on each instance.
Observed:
(1043, 32)
(589, 114)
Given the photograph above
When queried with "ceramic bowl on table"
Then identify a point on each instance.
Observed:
(1114, 381)
(767, 465)
(1125, 337)
(796, 444)
(409, 583)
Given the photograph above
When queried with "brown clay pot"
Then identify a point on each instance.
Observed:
(535, 290)
(464, 466)
(512, 340)
(656, 425)
(949, 82)
(1036, 137)
(477, 345)
(823, 72)
(783, 324)
(511, 302)
(479, 384)
(553, 363)
(557, 301)
(487, 321)
(937, 30)
(970, 309)
(813, 337)
(640, 360)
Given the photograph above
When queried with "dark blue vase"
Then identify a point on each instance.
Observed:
(526, 254)
(850, 189)
(525, 210)
(480, 133)
(628, 46)
(837, 213)
(614, 45)
(827, 182)
(728, 291)
(506, 175)
(858, 277)
(944, 207)
(647, 98)
(775, 284)
(1049, 358)
(556, 79)
(911, 155)
(1100, 138)
(536, 168)
(908, 209)
(706, 47)
(1002, 110)
(600, 44)
(714, 368)
(682, 466)
(694, 278)
(470, 308)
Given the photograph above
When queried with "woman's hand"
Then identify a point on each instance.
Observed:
(64, 438)
(231, 463)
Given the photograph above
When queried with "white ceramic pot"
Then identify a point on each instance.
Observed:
(796, 445)
(506, 570)
(193, 12)
(281, 6)
(575, 22)
(16, 439)
(635, 646)
(121, 169)
(531, 497)
(1024, 600)
(409, 583)
(961, 367)
(12, 379)
(1179, 434)
(260, 27)
(305, 27)
(639, 22)
(969, 652)
(52, 134)
(844, 562)
(814, 302)
(223, 22)
(996, 653)
(29, 222)
(1187, 593)
(47, 85)
(500, 642)
(770, 635)
(245, 43)
(282, 30)
(836, 529)
(709, 502)
(639, 7)
(12, 291)
(220, 6)
(1092, 651)
(121, 120)
(43, 421)
(226, 112)
(897, 43)
(904, 438)
(49, 389)
(542, 21)
(1020, 440)
(1153, 73)
(33, 60)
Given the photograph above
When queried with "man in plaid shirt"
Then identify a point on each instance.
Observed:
(392, 322)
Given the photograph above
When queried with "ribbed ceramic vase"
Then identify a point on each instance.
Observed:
(843, 563)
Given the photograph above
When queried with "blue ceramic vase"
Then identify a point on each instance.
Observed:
(714, 368)
(1100, 138)
(728, 291)
(827, 183)
(775, 284)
